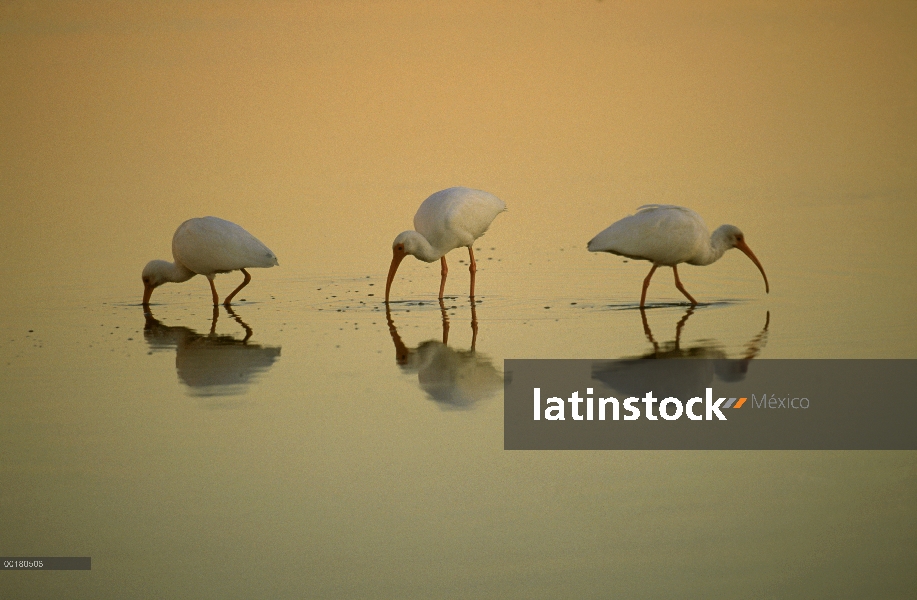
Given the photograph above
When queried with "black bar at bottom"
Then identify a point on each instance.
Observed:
(45, 563)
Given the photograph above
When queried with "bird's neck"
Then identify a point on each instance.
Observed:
(422, 249)
(713, 251)
(176, 272)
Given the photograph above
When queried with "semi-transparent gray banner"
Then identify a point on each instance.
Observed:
(710, 404)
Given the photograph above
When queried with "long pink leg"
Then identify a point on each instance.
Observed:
(473, 268)
(444, 271)
(646, 284)
(681, 288)
(241, 285)
(213, 289)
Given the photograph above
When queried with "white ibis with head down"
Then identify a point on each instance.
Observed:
(446, 220)
(207, 246)
(669, 235)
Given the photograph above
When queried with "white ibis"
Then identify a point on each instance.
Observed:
(668, 235)
(207, 246)
(446, 220)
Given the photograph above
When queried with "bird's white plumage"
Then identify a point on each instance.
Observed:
(209, 245)
(668, 235)
(660, 233)
(456, 217)
(447, 220)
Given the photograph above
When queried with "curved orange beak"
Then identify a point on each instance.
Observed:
(147, 292)
(741, 245)
(398, 255)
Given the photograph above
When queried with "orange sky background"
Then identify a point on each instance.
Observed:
(120, 120)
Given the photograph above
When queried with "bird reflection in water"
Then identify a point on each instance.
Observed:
(211, 364)
(677, 378)
(454, 379)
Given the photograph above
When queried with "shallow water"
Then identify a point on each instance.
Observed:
(308, 443)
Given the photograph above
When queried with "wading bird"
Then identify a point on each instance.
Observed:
(446, 220)
(207, 246)
(668, 235)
